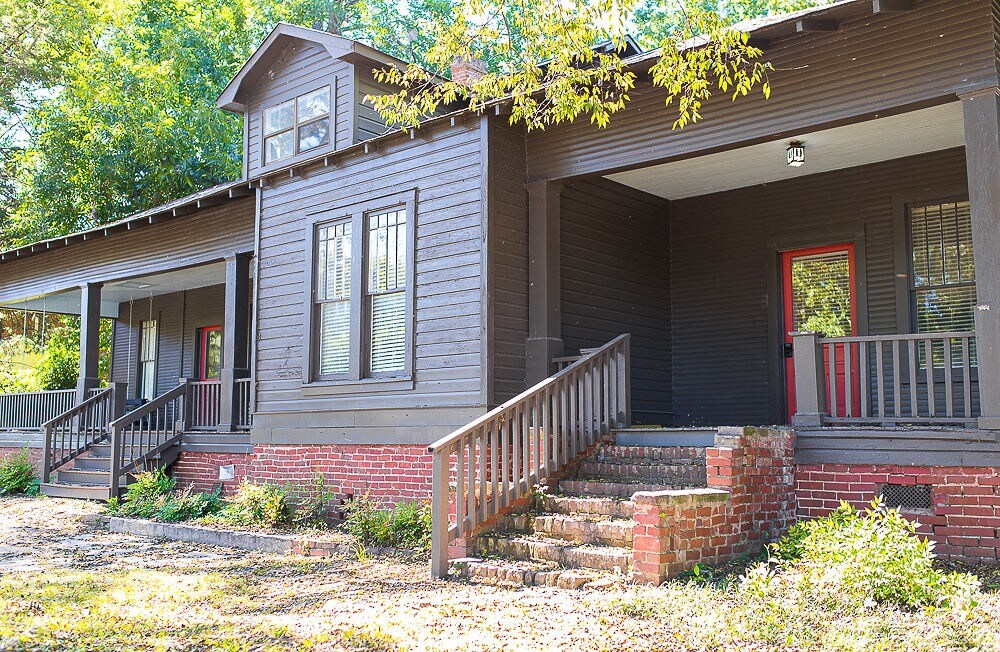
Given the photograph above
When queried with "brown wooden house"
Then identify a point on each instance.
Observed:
(362, 293)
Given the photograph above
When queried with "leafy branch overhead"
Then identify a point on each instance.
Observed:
(541, 58)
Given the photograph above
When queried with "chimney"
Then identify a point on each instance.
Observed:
(467, 71)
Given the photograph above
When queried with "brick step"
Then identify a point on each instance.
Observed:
(651, 454)
(614, 488)
(520, 573)
(596, 505)
(594, 530)
(526, 548)
(628, 471)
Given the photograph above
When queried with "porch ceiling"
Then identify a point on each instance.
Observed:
(881, 139)
(117, 292)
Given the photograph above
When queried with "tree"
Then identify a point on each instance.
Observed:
(657, 20)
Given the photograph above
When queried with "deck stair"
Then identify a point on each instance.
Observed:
(89, 476)
(579, 531)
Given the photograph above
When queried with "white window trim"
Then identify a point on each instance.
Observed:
(357, 378)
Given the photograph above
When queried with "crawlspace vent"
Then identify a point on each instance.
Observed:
(907, 496)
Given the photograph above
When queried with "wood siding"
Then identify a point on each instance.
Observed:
(369, 122)
(724, 249)
(873, 63)
(445, 168)
(205, 236)
(614, 260)
(301, 68)
(508, 238)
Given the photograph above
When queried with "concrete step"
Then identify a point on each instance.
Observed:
(607, 506)
(86, 492)
(526, 548)
(613, 488)
(521, 573)
(657, 436)
(651, 454)
(585, 529)
(626, 471)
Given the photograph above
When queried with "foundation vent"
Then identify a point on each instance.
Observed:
(907, 496)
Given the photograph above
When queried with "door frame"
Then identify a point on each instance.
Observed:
(793, 241)
(202, 339)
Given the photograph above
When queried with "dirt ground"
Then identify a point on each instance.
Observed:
(66, 583)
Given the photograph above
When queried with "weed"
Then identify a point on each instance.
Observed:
(16, 473)
(408, 524)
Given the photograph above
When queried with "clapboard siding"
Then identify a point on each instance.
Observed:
(369, 122)
(871, 64)
(205, 236)
(178, 315)
(509, 259)
(724, 248)
(445, 169)
(302, 67)
(614, 262)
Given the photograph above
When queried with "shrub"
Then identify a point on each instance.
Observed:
(17, 474)
(311, 502)
(152, 496)
(408, 524)
(188, 505)
(857, 559)
(260, 505)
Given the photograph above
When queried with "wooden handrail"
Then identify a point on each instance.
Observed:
(76, 430)
(499, 457)
(145, 432)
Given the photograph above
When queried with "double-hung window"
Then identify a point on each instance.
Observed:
(943, 269)
(297, 125)
(147, 359)
(361, 311)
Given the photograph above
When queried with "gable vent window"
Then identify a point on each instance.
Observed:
(297, 125)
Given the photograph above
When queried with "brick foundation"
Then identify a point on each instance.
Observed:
(964, 519)
(390, 473)
(749, 502)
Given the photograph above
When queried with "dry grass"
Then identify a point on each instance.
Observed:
(65, 585)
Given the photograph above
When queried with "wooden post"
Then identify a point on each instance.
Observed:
(439, 515)
(118, 396)
(90, 327)
(810, 379)
(235, 336)
(982, 155)
(544, 314)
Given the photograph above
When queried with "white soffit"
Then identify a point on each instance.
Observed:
(882, 139)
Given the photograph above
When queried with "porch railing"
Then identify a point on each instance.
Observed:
(241, 388)
(76, 430)
(923, 378)
(30, 410)
(144, 433)
(203, 404)
(500, 456)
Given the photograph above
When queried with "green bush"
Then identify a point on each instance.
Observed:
(260, 505)
(311, 502)
(407, 525)
(17, 474)
(858, 559)
(152, 496)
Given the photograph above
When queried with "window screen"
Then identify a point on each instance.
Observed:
(386, 291)
(333, 296)
(944, 271)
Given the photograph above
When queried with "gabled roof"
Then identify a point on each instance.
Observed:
(283, 34)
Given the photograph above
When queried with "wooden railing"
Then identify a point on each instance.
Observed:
(502, 455)
(77, 429)
(925, 378)
(203, 404)
(144, 433)
(241, 388)
(29, 410)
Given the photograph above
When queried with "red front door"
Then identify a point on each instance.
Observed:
(209, 352)
(819, 295)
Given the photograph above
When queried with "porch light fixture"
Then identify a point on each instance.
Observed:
(796, 154)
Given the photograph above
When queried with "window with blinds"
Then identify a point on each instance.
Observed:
(944, 271)
(333, 299)
(386, 291)
(147, 359)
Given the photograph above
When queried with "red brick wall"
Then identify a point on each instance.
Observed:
(390, 473)
(964, 519)
(750, 501)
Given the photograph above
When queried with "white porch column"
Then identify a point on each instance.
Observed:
(235, 338)
(544, 316)
(90, 328)
(982, 155)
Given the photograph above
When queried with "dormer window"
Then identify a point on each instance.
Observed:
(297, 125)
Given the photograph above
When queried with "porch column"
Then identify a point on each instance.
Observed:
(90, 330)
(235, 334)
(544, 317)
(982, 156)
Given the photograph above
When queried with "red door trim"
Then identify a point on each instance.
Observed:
(203, 351)
(789, 313)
